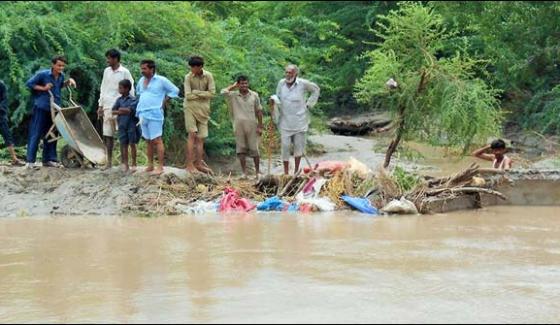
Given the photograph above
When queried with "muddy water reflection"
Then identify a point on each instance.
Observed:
(498, 264)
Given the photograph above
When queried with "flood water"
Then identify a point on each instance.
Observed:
(499, 264)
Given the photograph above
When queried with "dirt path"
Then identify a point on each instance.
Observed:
(49, 191)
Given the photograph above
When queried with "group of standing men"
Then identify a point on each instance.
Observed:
(139, 111)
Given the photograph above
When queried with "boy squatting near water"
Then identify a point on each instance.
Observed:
(129, 131)
(497, 157)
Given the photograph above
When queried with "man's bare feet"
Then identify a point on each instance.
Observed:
(133, 169)
(124, 168)
(149, 169)
(17, 162)
(191, 168)
(156, 172)
(203, 167)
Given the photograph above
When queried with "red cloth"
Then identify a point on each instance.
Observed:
(231, 202)
(306, 208)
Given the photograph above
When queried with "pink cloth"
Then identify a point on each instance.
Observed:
(308, 188)
(332, 166)
(231, 202)
(306, 208)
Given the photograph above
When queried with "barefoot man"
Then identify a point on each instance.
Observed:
(294, 110)
(153, 91)
(199, 90)
(245, 107)
(109, 92)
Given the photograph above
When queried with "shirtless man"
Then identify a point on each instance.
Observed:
(497, 156)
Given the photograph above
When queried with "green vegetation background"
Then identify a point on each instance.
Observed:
(517, 41)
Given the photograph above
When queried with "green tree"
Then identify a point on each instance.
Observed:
(521, 39)
(439, 99)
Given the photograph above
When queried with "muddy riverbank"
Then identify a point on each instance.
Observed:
(49, 191)
(52, 191)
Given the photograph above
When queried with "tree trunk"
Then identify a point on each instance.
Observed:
(395, 143)
(401, 125)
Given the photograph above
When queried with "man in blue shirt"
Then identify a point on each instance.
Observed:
(153, 91)
(41, 121)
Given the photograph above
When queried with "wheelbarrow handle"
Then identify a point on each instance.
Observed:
(69, 96)
(53, 104)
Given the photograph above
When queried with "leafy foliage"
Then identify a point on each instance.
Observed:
(520, 39)
(469, 51)
(440, 98)
(405, 181)
(234, 38)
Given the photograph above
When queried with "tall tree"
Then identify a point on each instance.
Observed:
(438, 98)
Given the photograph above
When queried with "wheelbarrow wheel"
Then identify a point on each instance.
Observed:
(69, 157)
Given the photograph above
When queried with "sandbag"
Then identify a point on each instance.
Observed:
(321, 203)
(402, 206)
(199, 207)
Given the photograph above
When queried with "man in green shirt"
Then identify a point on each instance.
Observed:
(199, 90)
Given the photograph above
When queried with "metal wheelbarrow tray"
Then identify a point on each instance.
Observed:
(83, 142)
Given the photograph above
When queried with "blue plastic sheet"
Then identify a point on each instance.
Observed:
(272, 204)
(294, 207)
(361, 204)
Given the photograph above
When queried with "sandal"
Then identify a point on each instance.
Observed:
(52, 164)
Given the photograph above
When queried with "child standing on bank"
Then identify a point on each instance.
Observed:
(129, 131)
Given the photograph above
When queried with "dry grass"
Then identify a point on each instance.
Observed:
(335, 188)
(387, 186)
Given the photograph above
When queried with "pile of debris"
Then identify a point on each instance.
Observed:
(327, 186)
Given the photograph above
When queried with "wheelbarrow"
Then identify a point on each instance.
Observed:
(84, 145)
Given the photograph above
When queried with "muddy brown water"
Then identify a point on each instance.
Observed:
(498, 264)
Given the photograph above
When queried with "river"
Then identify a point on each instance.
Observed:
(498, 264)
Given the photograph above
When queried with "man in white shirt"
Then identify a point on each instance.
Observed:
(294, 113)
(112, 75)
